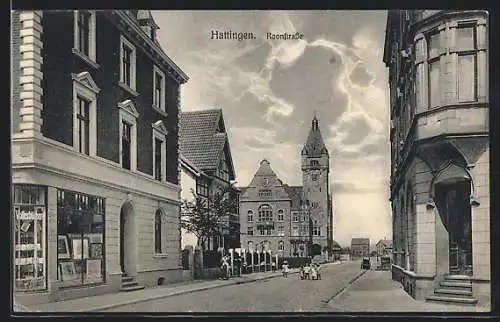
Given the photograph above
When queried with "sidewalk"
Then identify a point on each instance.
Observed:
(106, 301)
(375, 291)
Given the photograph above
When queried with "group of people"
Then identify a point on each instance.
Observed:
(310, 271)
(226, 267)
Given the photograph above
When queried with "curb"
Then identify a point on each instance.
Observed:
(175, 293)
(344, 289)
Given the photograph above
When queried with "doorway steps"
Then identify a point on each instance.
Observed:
(454, 289)
(130, 284)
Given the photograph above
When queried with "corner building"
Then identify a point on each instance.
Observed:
(95, 194)
(438, 77)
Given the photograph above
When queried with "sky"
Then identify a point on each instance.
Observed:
(269, 91)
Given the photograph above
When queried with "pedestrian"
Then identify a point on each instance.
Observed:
(302, 273)
(318, 272)
(307, 272)
(313, 272)
(284, 269)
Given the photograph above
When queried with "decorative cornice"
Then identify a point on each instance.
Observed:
(135, 29)
(86, 80)
(128, 106)
(160, 127)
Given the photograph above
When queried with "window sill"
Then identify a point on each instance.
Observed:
(160, 111)
(160, 256)
(128, 89)
(85, 58)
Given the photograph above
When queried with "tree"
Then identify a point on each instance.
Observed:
(207, 216)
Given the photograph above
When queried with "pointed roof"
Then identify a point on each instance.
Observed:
(385, 242)
(265, 169)
(202, 139)
(273, 182)
(315, 146)
(144, 17)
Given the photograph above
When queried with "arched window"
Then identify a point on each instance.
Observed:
(158, 248)
(250, 216)
(281, 217)
(265, 213)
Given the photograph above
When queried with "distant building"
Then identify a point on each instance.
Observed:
(206, 167)
(291, 220)
(360, 247)
(384, 248)
(439, 108)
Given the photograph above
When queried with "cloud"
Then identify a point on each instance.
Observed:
(347, 187)
(361, 77)
(269, 91)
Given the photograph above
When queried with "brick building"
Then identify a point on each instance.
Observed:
(290, 220)
(206, 167)
(360, 247)
(95, 191)
(438, 77)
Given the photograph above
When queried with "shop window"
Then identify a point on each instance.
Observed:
(29, 205)
(80, 239)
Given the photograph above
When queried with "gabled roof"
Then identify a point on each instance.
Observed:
(315, 146)
(335, 245)
(385, 243)
(360, 241)
(202, 139)
(295, 193)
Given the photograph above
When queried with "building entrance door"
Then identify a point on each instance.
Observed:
(455, 200)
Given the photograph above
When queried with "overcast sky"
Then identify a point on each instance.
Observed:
(269, 89)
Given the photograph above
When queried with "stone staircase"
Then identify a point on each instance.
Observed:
(129, 284)
(454, 289)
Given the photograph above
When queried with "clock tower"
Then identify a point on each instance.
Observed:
(316, 196)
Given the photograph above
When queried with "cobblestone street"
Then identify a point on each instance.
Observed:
(272, 295)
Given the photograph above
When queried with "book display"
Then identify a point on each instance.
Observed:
(80, 240)
(29, 250)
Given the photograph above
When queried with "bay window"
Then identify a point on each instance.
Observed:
(467, 63)
(433, 51)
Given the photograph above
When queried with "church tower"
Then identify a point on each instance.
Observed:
(315, 181)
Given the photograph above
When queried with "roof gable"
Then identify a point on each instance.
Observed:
(266, 178)
(129, 107)
(201, 142)
(86, 80)
(159, 126)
